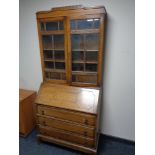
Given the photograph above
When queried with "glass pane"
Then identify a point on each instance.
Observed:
(96, 23)
(61, 25)
(51, 26)
(77, 41)
(49, 65)
(85, 24)
(91, 56)
(77, 67)
(59, 55)
(77, 55)
(48, 54)
(91, 67)
(47, 42)
(59, 65)
(73, 24)
(58, 41)
(91, 41)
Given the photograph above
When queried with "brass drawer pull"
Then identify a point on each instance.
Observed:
(44, 123)
(86, 121)
(85, 133)
(43, 113)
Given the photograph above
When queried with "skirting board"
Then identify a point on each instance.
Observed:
(117, 139)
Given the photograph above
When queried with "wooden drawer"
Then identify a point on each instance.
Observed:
(67, 136)
(86, 119)
(67, 126)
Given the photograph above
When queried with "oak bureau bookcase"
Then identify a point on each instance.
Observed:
(71, 43)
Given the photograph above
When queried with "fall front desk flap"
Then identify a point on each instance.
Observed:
(69, 97)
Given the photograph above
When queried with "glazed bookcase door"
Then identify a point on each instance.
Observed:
(85, 50)
(53, 49)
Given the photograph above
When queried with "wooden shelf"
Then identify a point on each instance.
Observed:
(59, 60)
(83, 73)
(96, 50)
(84, 31)
(78, 61)
(82, 61)
(57, 32)
(87, 50)
(91, 62)
(56, 60)
(53, 49)
(51, 60)
(77, 50)
(55, 70)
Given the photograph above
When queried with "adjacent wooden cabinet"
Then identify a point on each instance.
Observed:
(71, 43)
(26, 111)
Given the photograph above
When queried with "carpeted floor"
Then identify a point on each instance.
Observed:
(107, 146)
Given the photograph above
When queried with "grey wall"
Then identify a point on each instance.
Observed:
(118, 109)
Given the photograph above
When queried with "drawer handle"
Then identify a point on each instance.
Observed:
(44, 123)
(85, 133)
(86, 121)
(43, 113)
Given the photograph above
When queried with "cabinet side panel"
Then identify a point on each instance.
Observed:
(100, 54)
(41, 49)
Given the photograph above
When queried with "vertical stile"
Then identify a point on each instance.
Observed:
(58, 26)
(53, 51)
(68, 50)
(76, 27)
(84, 38)
(41, 49)
(44, 26)
(100, 52)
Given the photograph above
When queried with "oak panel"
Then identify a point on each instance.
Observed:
(67, 136)
(68, 97)
(68, 144)
(67, 115)
(67, 126)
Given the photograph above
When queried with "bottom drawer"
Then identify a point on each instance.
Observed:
(60, 134)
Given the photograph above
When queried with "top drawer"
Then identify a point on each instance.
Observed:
(86, 119)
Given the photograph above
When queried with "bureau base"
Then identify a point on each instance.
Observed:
(67, 144)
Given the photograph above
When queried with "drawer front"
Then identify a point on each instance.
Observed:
(68, 115)
(67, 126)
(60, 134)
